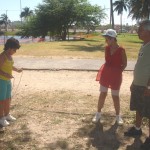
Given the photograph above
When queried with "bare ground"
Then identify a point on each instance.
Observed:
(54, 111)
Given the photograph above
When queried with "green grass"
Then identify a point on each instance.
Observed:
(91, 47)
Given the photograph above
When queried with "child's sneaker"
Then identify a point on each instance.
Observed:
(119, 120)
(2, 130)
(146, 144)
(132, 132)
(4, 122)
(96, 118)
(10, 118)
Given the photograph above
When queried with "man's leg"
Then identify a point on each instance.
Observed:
(149, 128)
(138, 121)
(135, 130)
(146, 144)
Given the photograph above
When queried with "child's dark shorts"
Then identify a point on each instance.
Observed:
(139, 102)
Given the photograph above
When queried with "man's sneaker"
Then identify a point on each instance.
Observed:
(4, 122)
(119, 120)
(10, 118)
(133, 132)
(146, 144)
(96, 118)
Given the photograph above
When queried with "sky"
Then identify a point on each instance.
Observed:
(13, 8)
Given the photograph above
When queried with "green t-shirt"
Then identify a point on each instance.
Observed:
(142, 67)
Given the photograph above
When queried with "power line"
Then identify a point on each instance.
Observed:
(8, 10)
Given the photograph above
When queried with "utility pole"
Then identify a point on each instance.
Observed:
(20, 11)
(6, 20)
(5, 28)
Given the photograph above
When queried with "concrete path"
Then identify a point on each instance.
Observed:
(44, 63)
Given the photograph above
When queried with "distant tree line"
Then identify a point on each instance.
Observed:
(55, 17)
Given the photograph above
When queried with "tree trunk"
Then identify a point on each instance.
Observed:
(68, 33)
(6, 27)
(121, 22)
(64, 35)
(112, 14)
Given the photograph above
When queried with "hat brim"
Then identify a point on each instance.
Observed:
(108, 35)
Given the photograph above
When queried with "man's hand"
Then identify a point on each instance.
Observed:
(147, 92)
(131, 87)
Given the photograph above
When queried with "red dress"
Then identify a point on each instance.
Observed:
(110, 73)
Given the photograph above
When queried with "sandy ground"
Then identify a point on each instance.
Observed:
(54, 110)
(81, 81)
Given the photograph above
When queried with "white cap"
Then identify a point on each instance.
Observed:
(111, 33)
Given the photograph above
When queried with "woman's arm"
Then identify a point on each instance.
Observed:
(124, 60)
(17, 69)
(2, 60)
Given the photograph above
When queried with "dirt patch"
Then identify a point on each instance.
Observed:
(54, 111)
(82, 81)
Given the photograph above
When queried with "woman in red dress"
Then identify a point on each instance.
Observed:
(110, 74)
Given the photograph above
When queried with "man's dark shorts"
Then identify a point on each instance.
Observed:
(139, 102)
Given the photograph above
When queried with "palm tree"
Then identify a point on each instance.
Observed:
(26, 13)
(111, 14)
(120, 6)
(4, 20)
(140, 9)
(1, 22)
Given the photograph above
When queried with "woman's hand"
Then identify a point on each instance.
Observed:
(9, 76)
(19, 70)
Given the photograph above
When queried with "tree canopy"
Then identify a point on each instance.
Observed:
(26, 13)
(4, 20)
(140, 9)
(120, 6)
(57, 16)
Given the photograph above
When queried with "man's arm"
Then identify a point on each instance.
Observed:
(147, 90)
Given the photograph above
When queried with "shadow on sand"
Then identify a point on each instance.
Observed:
(107, 139)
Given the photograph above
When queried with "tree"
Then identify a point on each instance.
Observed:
(140, 9)
(4, 20)
(1, 22)
(26, 13)
(91, 16)
(120, 6)
(57, 16)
